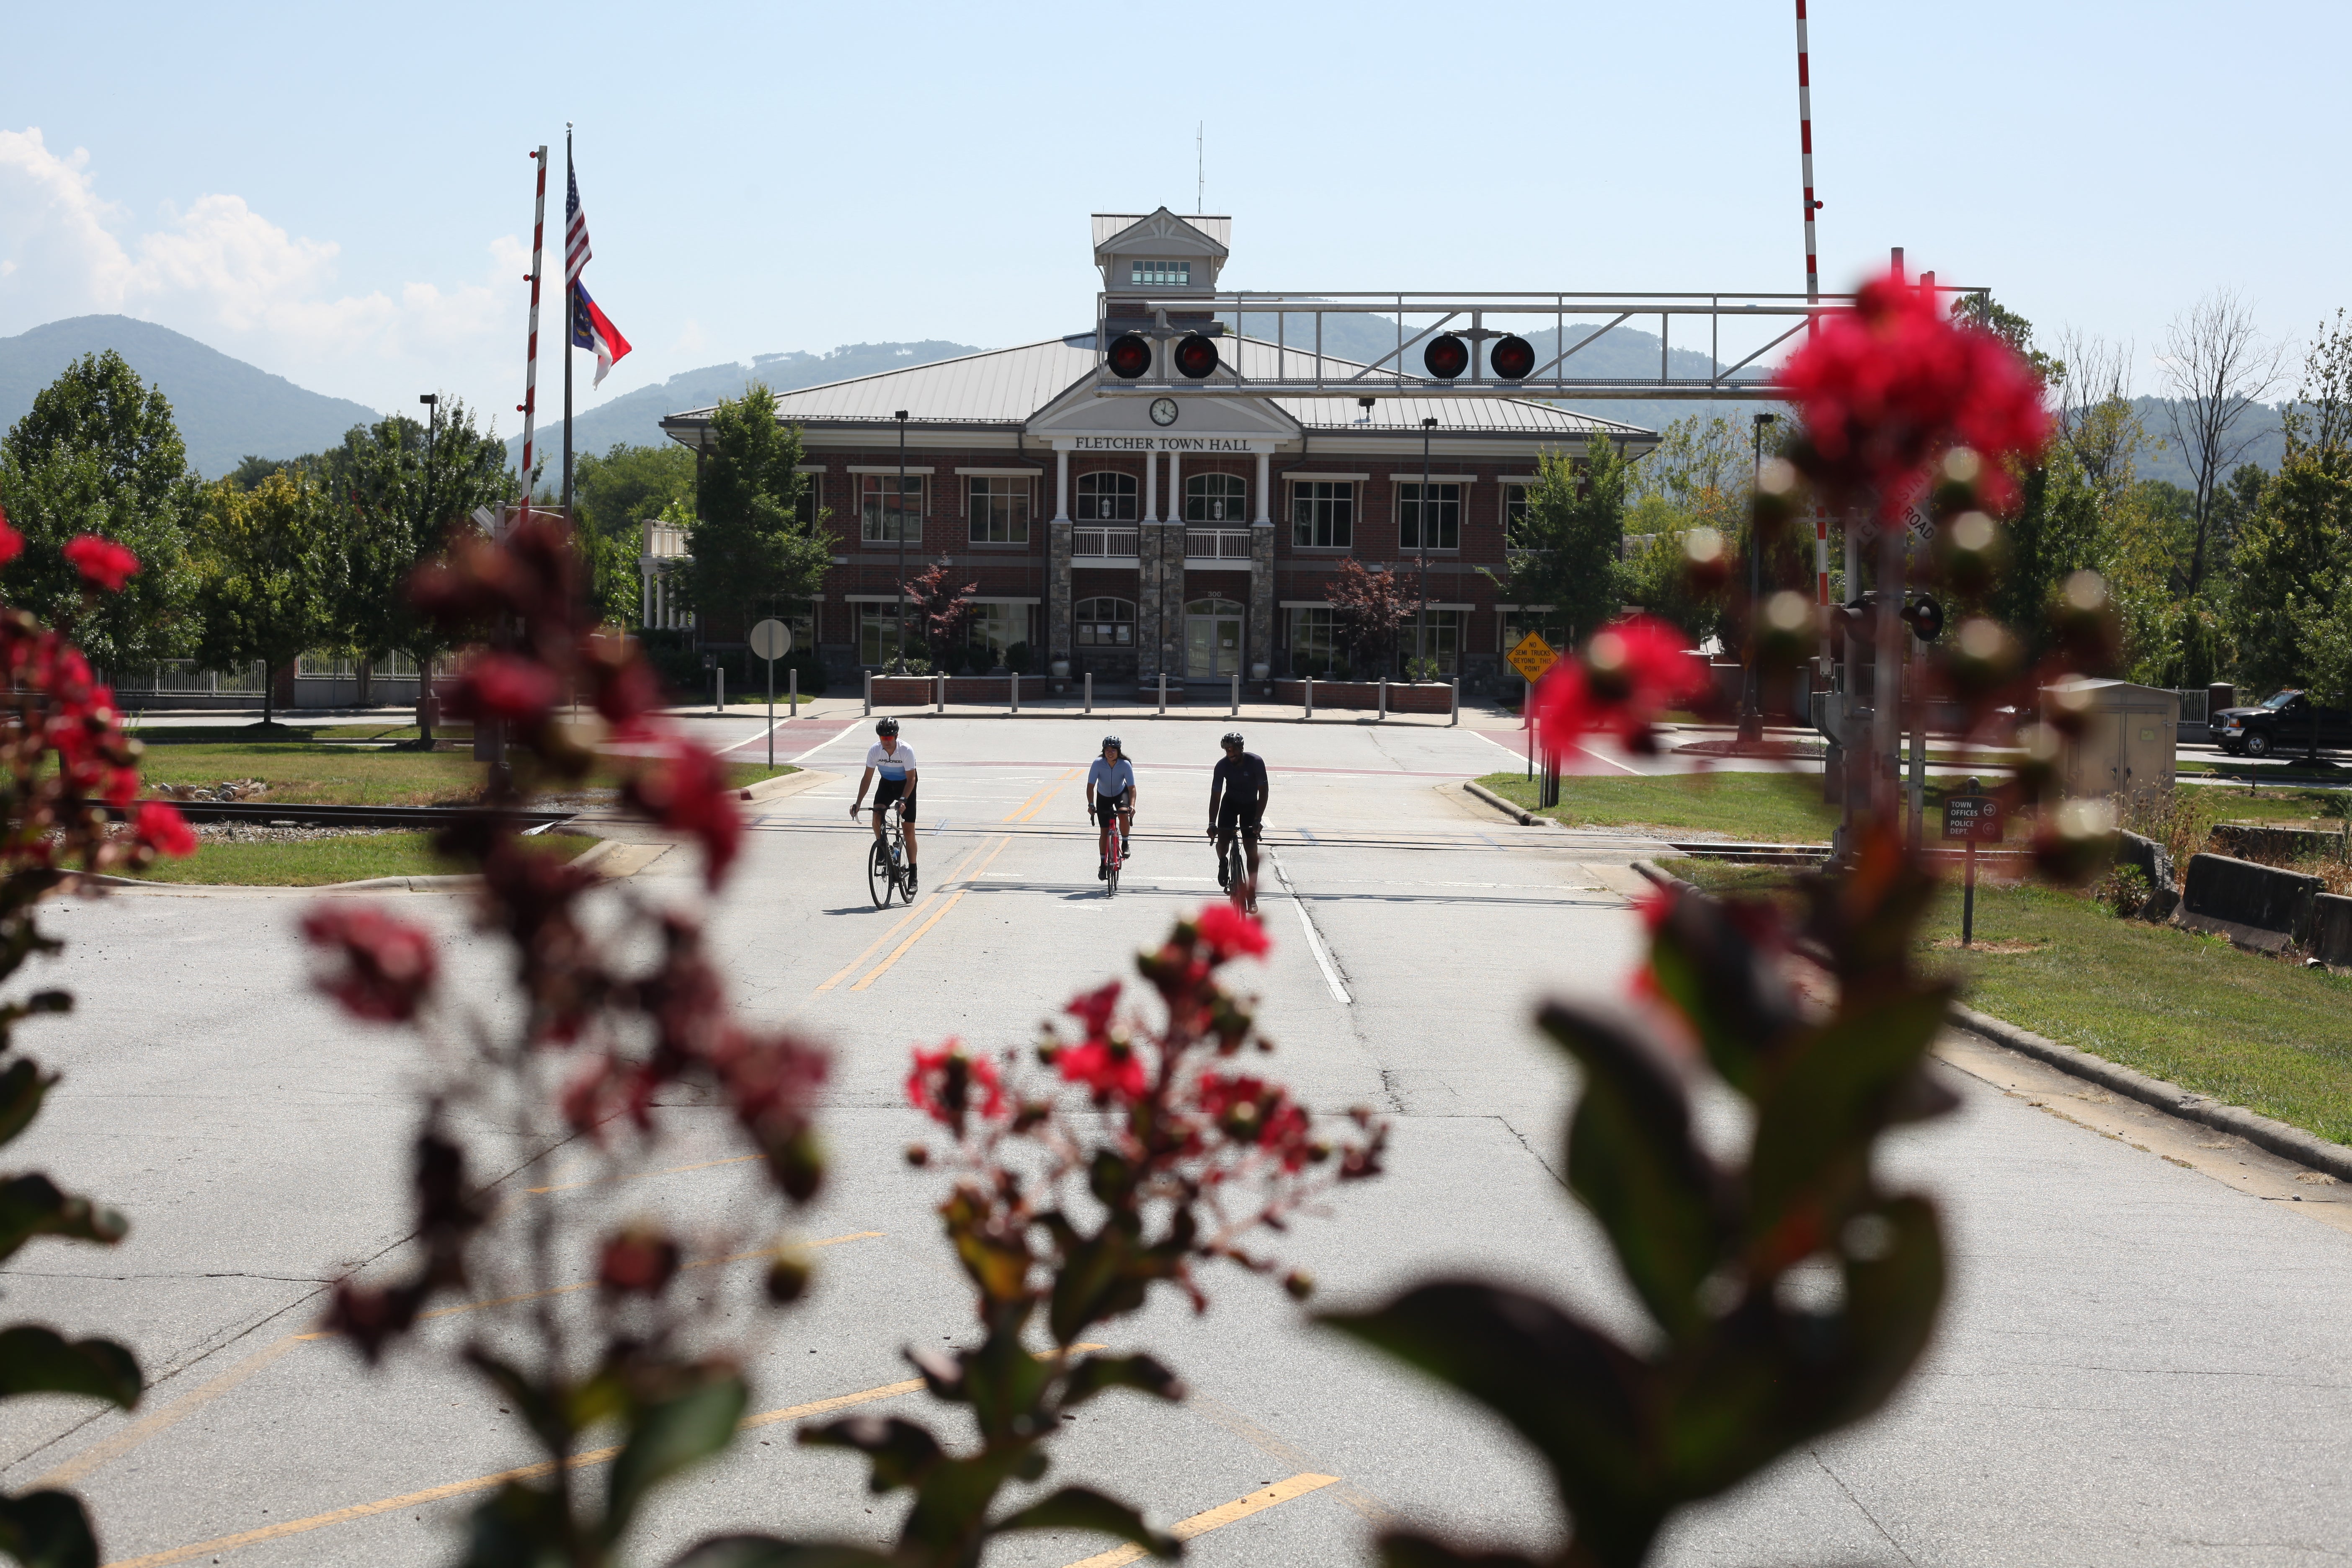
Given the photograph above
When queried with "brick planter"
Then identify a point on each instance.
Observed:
(1429, 696)
(969, 691)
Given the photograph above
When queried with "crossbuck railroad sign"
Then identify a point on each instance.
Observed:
(1532, 657)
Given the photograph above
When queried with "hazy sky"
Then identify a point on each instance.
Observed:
(341, 195)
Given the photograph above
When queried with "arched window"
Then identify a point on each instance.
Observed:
(1216, 498)
(1105, 623)
(1109, 498)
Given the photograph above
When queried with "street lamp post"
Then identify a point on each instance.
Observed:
(899, 659)
(1751, 704)
(1421, 619)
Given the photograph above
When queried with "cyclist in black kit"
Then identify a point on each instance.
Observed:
(1237, 795)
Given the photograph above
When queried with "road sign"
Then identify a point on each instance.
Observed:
(1975, 817)
(772, 639)
(1532, 657)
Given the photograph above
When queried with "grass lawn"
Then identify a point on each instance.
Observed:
(306, 774)
(2250, 1030)
(313, 862)
(1753, 808)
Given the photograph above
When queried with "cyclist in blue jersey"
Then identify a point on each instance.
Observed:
(1111, 787)
(895, 762)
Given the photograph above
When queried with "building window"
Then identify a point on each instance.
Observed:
(1513, 625)
(885, 512)
(1444, 522)
(999, 511)
(1105, 623)
(1323, 514)
(1440, 639)
(1314, 643)
(1109, 498)
(809, 510)
(1216, 498)
(1161, 274)
(878, 633)
(991, 629)
(1514, 515)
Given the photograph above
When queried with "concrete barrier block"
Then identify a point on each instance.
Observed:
(2331, 930)
(2155, 862)
(2254, 906)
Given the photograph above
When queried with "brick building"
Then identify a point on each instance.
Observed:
(1131, 536)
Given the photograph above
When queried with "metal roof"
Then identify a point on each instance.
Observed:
(1008, 386)
(1220, 229)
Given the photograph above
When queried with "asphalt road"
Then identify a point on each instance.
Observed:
(2143, 1361)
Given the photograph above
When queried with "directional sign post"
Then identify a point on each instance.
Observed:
(1971, 816)
(772, 639)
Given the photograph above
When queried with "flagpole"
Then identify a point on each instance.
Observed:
(531, 358)
(571, 305)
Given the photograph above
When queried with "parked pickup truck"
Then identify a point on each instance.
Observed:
(2283, 723)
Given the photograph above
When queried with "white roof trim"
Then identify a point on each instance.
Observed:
(1352, 479)
(889, 468)
(1402, 476)
(810, 468)
(999, 473)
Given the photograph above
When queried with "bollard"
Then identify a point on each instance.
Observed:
(1237, 695)
(942, 705)
(1454, 704)
(1164, 693)
(1090, 691)
(792, 689)
(1384, 697)
(1310, 696)
(720, 705)
(1016, 692)
(869, 694)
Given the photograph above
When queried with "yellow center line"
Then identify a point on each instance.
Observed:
(882, 968)
(1202, 1523)
(524, 1473)
(589, 1284)
(855, 963)
(171, 1414)
(1029, 811)
(1014, 815)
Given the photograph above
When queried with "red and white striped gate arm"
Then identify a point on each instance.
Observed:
(530, 360)
(1805, 151)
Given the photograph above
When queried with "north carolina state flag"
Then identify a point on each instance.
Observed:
(591, 328)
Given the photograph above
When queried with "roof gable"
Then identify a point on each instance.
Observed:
(1160, 233)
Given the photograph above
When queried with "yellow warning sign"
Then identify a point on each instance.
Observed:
(1532, 657)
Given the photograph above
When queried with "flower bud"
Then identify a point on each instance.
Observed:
(788, 1278)
(1299, 1283)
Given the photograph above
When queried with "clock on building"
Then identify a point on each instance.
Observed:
(1163, 411)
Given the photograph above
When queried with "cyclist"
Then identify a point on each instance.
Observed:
(1237, 795)
(895, 762)
(1111, 787)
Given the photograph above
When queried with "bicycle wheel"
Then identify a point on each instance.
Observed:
(878, 877)
(1118, 857)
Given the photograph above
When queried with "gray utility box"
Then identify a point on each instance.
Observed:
(2130, 736)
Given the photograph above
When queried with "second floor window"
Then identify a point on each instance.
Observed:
(1215, 497)
(884, 513)
(1442, 521)
(1109, 498)
(1323, 514)
(999, 511)
(1514, 515)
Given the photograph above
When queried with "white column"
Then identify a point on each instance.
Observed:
(1062, 485)
(1265, 501)
(1176, 487)
(1151, 486)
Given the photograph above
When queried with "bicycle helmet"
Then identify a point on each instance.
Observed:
(888, 727)
(1233, 738)
(1110, 741)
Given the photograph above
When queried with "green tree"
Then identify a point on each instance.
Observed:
(407, 501)
(1573, 537)
(752, 553)
(2294, 562)
(615, 494)
(272, 565)
(98, 453)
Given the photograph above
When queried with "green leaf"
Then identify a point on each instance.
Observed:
(1891, 1301)
(1731, 990)
(1096, 1374)
(666, 1437)
(537, 1406)
(901, 1452)
(518, 1526)
(46, 1530)
(32, 1205)
(1082, 1508)
(1632, 1160)
(37, 1360)
(22, 1088)
(767, 1552)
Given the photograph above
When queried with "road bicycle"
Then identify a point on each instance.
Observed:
(1116, 828)
(1232, 871)
(885, 864)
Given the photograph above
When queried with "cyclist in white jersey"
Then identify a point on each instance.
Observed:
(894, 761)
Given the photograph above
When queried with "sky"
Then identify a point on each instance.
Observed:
(342, 195)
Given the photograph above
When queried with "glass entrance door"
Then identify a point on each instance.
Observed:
(1213, 639)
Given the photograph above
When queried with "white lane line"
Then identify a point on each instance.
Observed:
(1587, 750)
(1314, 941)
(821, 745)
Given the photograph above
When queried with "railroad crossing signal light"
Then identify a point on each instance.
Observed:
(1446, 357)
(1924, 617)
(1196, 356)
(1129, 356)
(1512, 358)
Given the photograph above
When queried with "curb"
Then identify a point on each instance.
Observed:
(2263, 1131)
(785, 785)
(1518, 814)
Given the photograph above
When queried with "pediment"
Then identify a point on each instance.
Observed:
(1162, 233)
(1080, 412)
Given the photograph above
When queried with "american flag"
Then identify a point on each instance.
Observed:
(576, 228)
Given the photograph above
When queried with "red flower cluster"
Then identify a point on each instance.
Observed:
(1231, 934)
(1632, 670)
(638, 1262)
(504, 686)
(681, 786)
(388, 964)
(102, 563)
(12, 543)
(1889, 386)
(950, 1084)
(163, 829)
(1252, 1111)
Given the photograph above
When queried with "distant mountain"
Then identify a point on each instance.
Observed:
(636, 418)
(224, 408)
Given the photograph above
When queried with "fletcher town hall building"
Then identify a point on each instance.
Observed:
(1131, 536)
